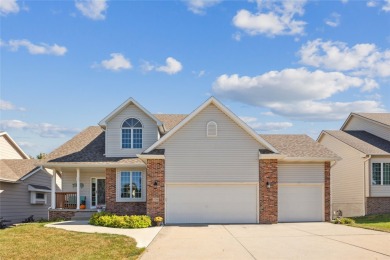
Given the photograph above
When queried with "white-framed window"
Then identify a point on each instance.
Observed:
(380, 173)
(38, 197)
(212, 129)
(131, 186)
(132, 134)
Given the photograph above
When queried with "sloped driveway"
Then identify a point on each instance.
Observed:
(281, 241)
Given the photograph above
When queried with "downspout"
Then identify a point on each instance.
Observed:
(369, 186)
(333, 163)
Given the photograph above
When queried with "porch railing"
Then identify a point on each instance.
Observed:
(66, 200)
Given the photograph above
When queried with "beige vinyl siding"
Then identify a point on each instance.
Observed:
(300, 173)
(15, 199)
(379, 190)
(347, 178)
(231, 156)
(7, 150)
(69, 178)
(357, 123)
(114, 132)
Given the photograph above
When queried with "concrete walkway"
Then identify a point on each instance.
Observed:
(281, 241)
(143, 236)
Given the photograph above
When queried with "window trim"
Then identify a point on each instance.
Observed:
(216, 129)
(131, 134)
(381, 173)
(118, 186)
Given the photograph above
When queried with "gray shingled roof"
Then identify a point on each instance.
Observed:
(363, 141)
(383, 118)
(301, 146)
(15, 169)
(170, 120)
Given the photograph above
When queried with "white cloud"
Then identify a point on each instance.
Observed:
(8, 6)
(27, 144)
(199, 6)
(116, 63)
(146, 66)
(35, 49)
(386, 6)
(43, 129)
(172, 66)
(6, 105)
(372, 3)
(277, 20)
(360, 59)
(333, 20)
(267, 126)
(296, 93)
(93, 9)
(344, 1)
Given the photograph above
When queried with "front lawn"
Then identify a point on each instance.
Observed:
(34, 241)
(376, 222)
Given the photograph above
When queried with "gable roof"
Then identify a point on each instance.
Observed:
(381, 118)
(226, 111)
(300, 146)
(13, 170)
(103, 122)
(86, 149)
(170, 120)
(362, 141)
(14, 145)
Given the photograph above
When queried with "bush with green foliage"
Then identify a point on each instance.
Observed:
(107, 219)
(344, 221)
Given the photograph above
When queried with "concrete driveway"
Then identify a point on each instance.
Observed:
(281, 241)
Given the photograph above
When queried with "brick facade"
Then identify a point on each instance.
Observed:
(155, 198)
(268, 172)
(327, 191)
(378, 205)
(120, 208)
(61, 214)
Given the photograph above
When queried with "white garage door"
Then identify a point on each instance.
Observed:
(214, 203)
(300, 192)
(300, 203)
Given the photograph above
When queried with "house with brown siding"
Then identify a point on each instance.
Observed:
(361, 180)
(205, 167)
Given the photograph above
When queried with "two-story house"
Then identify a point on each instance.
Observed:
(361, 180)
(205, 167)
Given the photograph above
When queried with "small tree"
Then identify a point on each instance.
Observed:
(41, 156)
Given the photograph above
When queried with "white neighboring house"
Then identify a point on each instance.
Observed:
(361, 180)
(24, 186)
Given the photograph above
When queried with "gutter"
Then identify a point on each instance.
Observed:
(105, 165)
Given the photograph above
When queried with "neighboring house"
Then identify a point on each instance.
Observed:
(361, 180)
(205, 167)
(24, 186)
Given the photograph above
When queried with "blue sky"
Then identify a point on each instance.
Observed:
(282, 66)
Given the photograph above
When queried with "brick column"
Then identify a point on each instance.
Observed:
(155, 199)
(268, 172)
(327, 191)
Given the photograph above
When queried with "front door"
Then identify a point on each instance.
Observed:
(98, 192)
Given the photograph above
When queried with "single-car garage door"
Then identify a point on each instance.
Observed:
(211, 203)
(300, 192)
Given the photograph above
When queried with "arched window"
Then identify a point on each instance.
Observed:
(132, 133)
(212, 130)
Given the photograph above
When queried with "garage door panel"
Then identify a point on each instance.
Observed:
(300, 203)
(211, 203)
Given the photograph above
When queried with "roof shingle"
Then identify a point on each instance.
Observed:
(383, 118)
(15, 169)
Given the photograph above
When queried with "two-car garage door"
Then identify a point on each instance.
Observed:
(211, 203)
(300, 192)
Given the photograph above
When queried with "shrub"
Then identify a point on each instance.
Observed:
(344, 221)
(106, 219)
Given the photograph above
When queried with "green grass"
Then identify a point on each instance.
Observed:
(34, 241)
(376, 222)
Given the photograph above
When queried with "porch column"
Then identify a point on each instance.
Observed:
(78, 188)
(53, 190)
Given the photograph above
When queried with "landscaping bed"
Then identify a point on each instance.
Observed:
(375, 222)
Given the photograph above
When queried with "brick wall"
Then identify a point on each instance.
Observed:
(378, 205)
(120, 208)
(155, 198)
(327, 191)
(268, 172)
(62, 214)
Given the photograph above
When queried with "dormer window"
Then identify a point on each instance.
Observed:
(212, 130)
(132, 134)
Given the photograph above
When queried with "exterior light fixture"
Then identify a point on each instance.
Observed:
(155, 184)
(268, 184)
